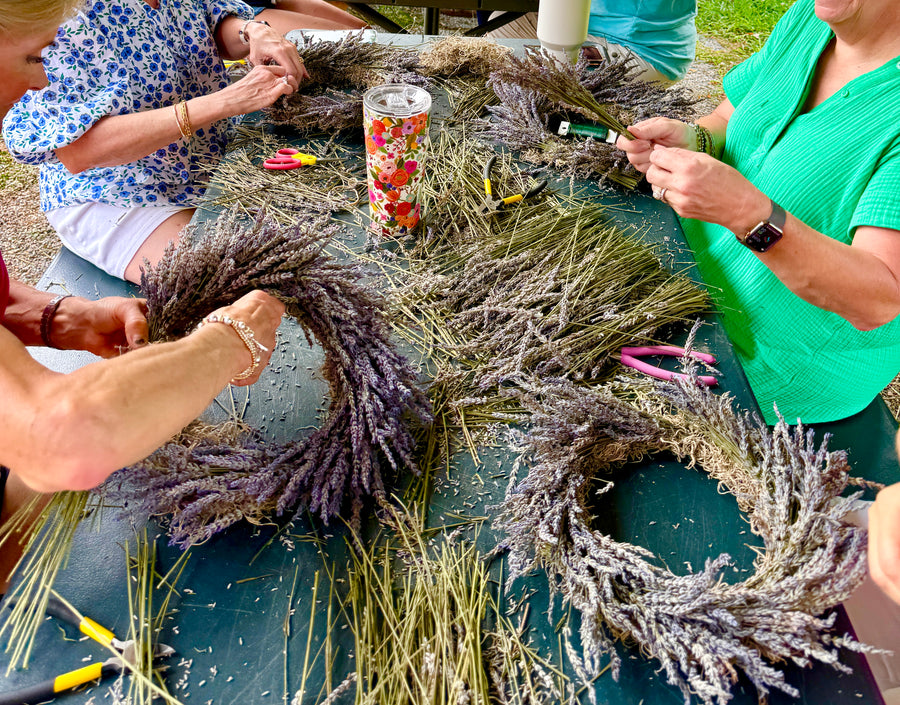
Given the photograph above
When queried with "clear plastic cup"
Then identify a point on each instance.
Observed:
(396, 119)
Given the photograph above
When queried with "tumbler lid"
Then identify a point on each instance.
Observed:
(397, 100)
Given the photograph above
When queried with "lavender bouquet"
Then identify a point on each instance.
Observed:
(207, 485)
(537, 88)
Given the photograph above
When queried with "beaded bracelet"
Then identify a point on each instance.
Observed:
(245, 333)
(47, 319)
(242, 33)
(705, 141)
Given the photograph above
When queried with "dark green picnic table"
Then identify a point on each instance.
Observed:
(242, 587)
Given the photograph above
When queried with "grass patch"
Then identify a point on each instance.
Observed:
(739, 27)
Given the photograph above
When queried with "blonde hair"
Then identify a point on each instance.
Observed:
(21, 17)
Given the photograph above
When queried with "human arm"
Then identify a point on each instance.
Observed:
(859, 282)
(122, 139)
(71, 431)
(105, 327)
(884, 541)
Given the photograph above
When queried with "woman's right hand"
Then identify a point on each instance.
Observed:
(655, 131)
(262, 313)
(258, 89)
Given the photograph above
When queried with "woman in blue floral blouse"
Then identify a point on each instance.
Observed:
(136, 110)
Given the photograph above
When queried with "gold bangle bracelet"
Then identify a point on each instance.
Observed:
(185, 122)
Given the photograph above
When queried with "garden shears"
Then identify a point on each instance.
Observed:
(49, 689)
(289, 158)
(629, 358)
(491, 204)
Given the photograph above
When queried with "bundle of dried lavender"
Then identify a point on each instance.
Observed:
(207, 486)
(537, 88)
(350, 63)
(700, 628)
(549, 287)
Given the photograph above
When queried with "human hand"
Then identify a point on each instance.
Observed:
(884, 541)
(106, 327)
(699, 186)
(261, 87)
(262, 314)
(268, 47)
(652, 132)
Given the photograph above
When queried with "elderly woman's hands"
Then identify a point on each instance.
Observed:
(262, 313)
(258, 89)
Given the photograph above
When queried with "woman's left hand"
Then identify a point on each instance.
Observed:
(699, 186)
(106, 327)
(267, 46)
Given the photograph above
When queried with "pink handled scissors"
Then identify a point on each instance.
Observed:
(629, 358)
(289, 158)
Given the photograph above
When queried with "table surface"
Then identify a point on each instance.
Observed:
(239, 588)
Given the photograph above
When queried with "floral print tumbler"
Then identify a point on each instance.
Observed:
(396, 118)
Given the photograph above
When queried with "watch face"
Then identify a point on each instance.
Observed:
(762, 237)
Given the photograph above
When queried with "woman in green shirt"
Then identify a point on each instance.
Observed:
(790, 198)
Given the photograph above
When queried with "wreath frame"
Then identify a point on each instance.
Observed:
(699, 628)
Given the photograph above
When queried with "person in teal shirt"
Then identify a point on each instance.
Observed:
(789, 194)
(659, 35)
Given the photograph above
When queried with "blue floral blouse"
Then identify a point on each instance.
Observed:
(123, 56)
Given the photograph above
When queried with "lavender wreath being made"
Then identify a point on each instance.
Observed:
(700, 628)
(208, 485)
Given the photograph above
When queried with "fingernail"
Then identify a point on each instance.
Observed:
(140, 341)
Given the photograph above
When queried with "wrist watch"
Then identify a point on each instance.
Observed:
(766, 233)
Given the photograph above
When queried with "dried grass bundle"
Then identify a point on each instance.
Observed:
(428, 629)
(463, 56)
(206, 486)
(700, 628)
(549, 287)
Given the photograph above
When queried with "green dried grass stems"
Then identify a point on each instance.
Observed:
(149, 595)
(420, 615)
(49, 543)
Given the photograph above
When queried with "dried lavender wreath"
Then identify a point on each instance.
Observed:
(206, 486)
(700, 628)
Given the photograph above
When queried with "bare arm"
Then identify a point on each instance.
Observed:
(122, 139)
(859, 282)
(71, 431)
(106, 327)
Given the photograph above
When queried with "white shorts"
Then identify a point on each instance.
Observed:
(107, 236)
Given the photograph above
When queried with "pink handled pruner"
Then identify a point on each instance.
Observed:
(629, 358)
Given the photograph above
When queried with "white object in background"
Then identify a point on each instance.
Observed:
(562, 27)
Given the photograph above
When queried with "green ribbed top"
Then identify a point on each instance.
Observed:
(835, 168)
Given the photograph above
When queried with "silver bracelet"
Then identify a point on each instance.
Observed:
(245, 333)
(242, 33)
